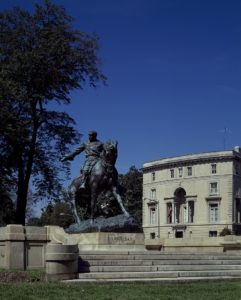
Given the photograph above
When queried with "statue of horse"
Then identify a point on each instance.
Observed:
(103, 177)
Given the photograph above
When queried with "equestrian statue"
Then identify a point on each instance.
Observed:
(97, 175)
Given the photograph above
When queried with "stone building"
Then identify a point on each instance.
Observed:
(192, 197)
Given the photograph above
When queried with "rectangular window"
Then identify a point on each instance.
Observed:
(152, 215)
(172, 173)
(153, 194)
(153, 176)
(236, 169)
(213, 188)
(213, 212)
(180, 170)
(190, 211)
(213, 168)
(179, 234)
(213, 233)
(189, 171)
(169, 213)
(184, 212)
(176, 213)
(238, 211)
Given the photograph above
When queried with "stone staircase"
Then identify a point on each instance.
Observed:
(120, 266)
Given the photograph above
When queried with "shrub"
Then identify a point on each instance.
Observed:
(225, 231)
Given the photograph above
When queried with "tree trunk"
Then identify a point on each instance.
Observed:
(24, 178)
(21, 193)
(21, 206)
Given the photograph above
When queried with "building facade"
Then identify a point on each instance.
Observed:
(195, 196)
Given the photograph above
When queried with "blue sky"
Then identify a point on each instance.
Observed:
(174, 74)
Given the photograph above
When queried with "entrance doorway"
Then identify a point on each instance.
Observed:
(180, 209)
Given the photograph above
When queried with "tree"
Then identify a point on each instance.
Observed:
(6, 209)
(42, 58)
(131, 190)
(34, 221)
(58, 213)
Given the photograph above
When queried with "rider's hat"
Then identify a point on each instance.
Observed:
(93, 132)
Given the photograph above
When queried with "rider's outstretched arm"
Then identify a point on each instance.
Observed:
(71, 156)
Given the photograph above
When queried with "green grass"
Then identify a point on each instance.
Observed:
(83, 291)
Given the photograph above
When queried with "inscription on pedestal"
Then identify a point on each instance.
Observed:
(126, 239)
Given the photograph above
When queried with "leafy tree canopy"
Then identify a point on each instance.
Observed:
(131, 190)
(42, 58)
(58, 213)
(6, 209)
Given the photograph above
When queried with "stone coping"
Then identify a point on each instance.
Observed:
(15, 232)
(196, 242)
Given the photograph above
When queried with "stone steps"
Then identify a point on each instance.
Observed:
(156, 252)
(155, 280)
(158, 274)
(157, 262)
(156, 266)
(156, 257)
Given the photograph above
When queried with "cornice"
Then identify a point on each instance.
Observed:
(213, 198)
(152, 202)
(185, 197)
(179, 227)
(188, 162)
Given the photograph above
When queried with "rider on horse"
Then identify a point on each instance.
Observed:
(93, 149)
(97, 175)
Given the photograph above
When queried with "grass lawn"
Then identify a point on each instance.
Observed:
(83, 291)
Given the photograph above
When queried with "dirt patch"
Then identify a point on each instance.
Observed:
(13, 277)
(18, 276)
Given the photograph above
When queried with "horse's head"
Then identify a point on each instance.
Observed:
(111, 151)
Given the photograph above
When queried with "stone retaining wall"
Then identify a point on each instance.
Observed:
(22, 247)
(29, 247)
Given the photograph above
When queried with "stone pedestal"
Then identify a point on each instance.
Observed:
(14, 247)
(61, 261)
(22, 247)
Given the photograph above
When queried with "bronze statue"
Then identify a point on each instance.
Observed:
(98, 174)
(93, 150)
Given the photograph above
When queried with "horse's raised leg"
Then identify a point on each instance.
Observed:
(72, 193)
(118, 198)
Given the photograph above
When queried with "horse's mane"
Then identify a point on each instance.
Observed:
(110, 144)
(110, 149)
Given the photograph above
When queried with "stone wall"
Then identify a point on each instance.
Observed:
(229, 243)
(22, 247)
(31, 247)
(49, 247)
